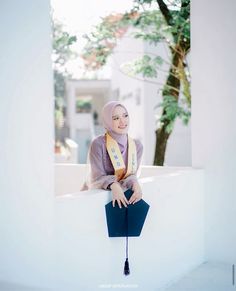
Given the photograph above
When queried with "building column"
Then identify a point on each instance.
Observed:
(26, 143)
(213, 63)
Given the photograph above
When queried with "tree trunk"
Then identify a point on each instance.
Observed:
(172, 83)
(161, 142)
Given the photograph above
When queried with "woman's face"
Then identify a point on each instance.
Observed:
(120, 120)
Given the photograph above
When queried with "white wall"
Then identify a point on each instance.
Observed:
(213, 119)
(69, 178)
(26, 144)
(169, 246)
(178, 150)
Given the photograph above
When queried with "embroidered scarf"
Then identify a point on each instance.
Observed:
(117, 159)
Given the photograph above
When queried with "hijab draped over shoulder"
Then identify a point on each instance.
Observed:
(101, 171)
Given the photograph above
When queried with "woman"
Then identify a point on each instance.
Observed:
(115, 157)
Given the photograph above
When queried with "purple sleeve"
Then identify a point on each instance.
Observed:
(128, 182)
(99, 178)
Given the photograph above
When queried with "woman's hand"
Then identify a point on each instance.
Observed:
(118, 195)
(137, 195)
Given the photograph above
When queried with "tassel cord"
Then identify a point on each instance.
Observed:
(126, 267)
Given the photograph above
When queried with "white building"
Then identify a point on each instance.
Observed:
(194, 209)
(85, 99)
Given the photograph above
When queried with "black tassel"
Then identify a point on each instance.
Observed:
(126, 268)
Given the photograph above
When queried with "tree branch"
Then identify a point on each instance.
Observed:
(144, 80)
(165, 11)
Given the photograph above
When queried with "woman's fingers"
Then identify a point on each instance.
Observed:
(118, 201)
(124, 202)
(132, 198)
(135, 198)
(114, 202)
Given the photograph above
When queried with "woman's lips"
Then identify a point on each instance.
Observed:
(122, 127)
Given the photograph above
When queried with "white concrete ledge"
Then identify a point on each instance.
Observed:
(171, 243)
(69, 178)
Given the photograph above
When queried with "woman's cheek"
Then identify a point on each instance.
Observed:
(115, 125)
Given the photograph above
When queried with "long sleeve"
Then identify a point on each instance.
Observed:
(128, 182)
(99, 178)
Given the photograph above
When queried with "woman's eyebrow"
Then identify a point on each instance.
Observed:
(118, 114)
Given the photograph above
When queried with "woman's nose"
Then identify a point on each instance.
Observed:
(122, 121)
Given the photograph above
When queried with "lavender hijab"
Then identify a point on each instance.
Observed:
(121, 139)
(98, 171)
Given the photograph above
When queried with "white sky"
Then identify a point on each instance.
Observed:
(80, 16)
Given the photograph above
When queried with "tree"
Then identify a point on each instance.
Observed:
(62, 53)
(170, 23)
